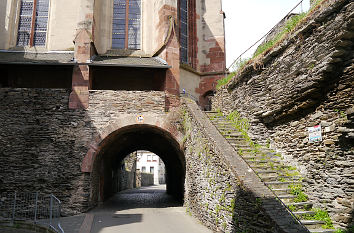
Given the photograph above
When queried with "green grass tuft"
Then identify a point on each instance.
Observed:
(320, 215)
(224, 81)
(296, 190)
(289, 26)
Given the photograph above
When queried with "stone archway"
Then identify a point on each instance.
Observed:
(205, 100)
(125, 136)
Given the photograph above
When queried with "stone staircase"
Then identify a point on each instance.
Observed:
(268, 165)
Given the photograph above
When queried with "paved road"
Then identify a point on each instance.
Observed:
(148, 210)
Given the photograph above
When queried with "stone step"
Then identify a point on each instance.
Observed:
(289, 196)
(237, 139)
(281, 166)
(243, 146)
(301, 204)
(273, 177)
(223, 131)
(264, 171)
(226, 130)
(286, 198)
(249, 153)
(230, 135)
(267, 166)
(299, 213)
(257, 166)
(260, 157)
(272, 153)
(280, 184)
(225, 127)
(218, 119)
(268, 150)
(261, 161)
(281, 191)
(268, 176)
(224, 124)
(283, 182)
(321, 230)
(312, 224)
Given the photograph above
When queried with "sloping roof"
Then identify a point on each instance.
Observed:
(30, 58)
(67, 58)
(142, 62)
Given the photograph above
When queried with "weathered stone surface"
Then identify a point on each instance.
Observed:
(43, 142)
(221, 190)
(301, 87)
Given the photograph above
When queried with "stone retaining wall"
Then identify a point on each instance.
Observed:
(134, 179)
(127, 180)
(306, 80)
(147, 179)
(43, 142)
(221, 190)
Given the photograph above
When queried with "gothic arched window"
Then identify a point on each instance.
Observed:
(33, 21)
(126, 25)
(184, 31)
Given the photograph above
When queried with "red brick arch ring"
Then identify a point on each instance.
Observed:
(128, 134)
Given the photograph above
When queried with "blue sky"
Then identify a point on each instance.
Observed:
(248, 20)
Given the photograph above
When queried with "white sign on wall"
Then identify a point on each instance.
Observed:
(315, 134)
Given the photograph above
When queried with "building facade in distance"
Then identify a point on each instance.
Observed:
(148, 162)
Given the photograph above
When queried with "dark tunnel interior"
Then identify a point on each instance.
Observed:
(127, 140)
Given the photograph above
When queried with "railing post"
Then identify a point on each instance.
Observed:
(51, 210)
(35, 208)
(14, 208)
(59, 214)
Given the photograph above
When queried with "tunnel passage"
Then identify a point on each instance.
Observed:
(115, 147)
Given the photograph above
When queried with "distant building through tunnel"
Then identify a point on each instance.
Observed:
(122, 142)
(151, 163)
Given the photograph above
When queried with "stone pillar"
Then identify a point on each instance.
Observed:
(81, 73)
(81, 82)
(171, 53)
(172, 81)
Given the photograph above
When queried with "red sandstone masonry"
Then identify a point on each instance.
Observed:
(171, 54)
(103, 136)
(81, 74)
(216, 54)
(207, 84)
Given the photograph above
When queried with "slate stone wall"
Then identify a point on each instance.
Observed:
(306, 80)
(146, 179)
(220, 188)
(127, 180)
(43, 142)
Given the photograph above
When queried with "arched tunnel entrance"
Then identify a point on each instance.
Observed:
(120, 143)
